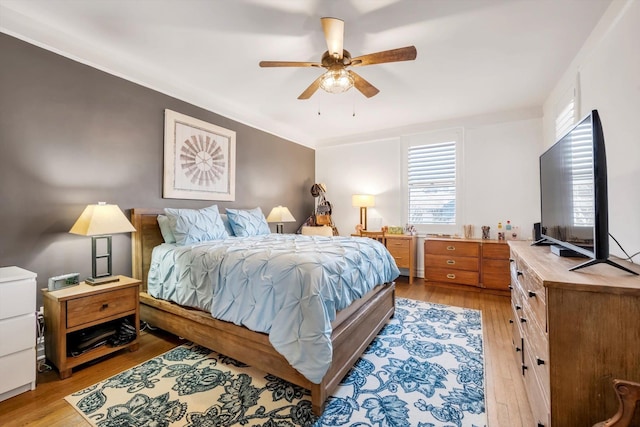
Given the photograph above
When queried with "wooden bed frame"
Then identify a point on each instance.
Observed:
(353, 329)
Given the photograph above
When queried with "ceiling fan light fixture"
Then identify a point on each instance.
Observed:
(336, 81)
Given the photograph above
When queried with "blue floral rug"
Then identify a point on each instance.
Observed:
(424, 369)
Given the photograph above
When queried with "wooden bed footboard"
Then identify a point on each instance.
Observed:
(353, 329)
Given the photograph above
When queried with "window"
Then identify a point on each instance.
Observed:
(432, 182)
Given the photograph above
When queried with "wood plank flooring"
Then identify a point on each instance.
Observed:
(506, 402)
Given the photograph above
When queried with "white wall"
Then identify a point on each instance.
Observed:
(500, 175)
(607, 72)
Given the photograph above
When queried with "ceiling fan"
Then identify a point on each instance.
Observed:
(337, 78)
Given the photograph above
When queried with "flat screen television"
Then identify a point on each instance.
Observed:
(573, 192)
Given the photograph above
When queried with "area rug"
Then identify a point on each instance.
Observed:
(424, 369)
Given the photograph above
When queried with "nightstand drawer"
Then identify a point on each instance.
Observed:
(17, 334)
(100, 306)
(400, 254)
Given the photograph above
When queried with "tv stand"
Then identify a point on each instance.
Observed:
(603, 261)
(572, 334)
(542, 242)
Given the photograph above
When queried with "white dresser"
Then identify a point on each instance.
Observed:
(17, 331)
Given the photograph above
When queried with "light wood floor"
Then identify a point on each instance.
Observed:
(506, 400)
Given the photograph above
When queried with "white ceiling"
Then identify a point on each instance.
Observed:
(475, 57)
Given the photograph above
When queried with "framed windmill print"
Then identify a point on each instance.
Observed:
(199, 159)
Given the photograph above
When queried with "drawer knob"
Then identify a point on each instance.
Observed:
(104, 306)
(524, 368)
(510, 287)
(451, 248)
(518, 349)
(512, 260)
(451, 261)
(451, 276)
(523, 320)
(539, 361)
(540, 425)
(518, 307)
(531, 294)
(519, 273)
(510, 320)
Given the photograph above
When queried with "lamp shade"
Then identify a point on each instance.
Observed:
(363, 200)
(101, 219)
(280, 214)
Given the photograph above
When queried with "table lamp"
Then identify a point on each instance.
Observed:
(363, 201)
(100, 222)
(280, 214)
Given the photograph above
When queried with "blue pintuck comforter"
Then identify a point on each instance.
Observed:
(288, 286)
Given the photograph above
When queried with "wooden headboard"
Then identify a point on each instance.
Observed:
(143, 240)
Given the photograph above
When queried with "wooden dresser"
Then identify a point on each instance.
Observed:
(574, 332)
(471, 262)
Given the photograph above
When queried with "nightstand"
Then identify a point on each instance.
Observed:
(402, 248)
(70, 311)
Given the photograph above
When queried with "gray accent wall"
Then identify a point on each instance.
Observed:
(72, 135)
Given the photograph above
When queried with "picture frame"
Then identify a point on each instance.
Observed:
(199, 159)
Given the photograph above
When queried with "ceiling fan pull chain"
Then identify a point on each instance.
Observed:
(353, 98)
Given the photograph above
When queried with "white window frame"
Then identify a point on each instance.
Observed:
(435, 137)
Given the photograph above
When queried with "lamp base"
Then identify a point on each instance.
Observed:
(101, 280)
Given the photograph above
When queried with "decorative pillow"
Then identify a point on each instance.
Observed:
(249, 222)
(227, 224)
(196, 225)
(165, 229)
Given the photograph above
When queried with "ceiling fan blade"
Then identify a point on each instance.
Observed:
(408, 53)
(334, 34)
(313, 87)
(289, 64)
(363, 86)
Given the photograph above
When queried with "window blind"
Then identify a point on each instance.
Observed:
(565, 119)
(582, 177)
(431, 179)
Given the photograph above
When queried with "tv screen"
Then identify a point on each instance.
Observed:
(567, 190)
(573, 191)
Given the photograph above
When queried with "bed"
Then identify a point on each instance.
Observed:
(352, 329)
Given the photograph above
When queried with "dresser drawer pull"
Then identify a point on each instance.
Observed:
(518, 307)
(451, 261)
(512, 260)
(519, 273)
(539, 361)
(451, 248)
(524, 368)
(104, 306)
(518, 349)
(531, 294)
(510, 287)
(510, 320)
(451, 276)
(540, 425)
(523, 320)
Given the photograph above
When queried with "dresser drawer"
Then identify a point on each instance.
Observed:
(451, 262)
(17, 334)
(100, 306)
(452, 276)
(495, 251)
(495, 273)
(452, 248)
(17, 298)
(18, 369)
(540, 404)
